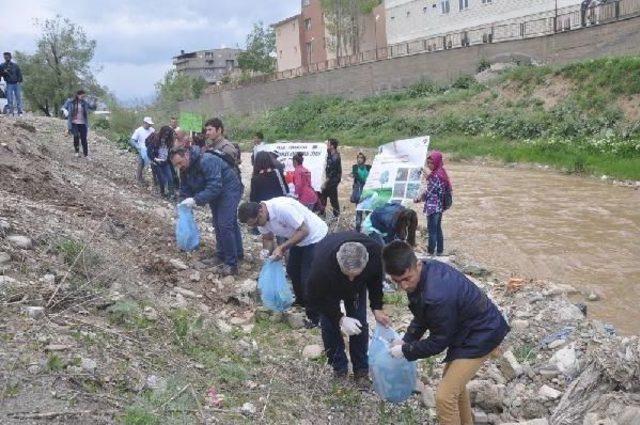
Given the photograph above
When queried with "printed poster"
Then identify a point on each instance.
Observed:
(315, 159)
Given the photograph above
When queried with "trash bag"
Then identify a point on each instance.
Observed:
(274, 288)
(187, 233)
(393, 379)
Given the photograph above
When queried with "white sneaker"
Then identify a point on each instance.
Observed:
(77, 154)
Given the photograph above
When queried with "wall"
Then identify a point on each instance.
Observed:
(413, 19)
(614, 39)
(288, 37)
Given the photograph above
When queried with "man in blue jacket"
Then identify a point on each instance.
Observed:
(459, 317)
(13, 77)
(207, 178)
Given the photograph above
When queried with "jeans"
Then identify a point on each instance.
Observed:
(80, 135)
(163, 173)
(298, 268)
(436, 239)
(14, 98)
(358, 344)
(225, 223)
(331, 192)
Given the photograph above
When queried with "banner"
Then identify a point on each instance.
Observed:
(315, 159)
(190, 122)
(396, 173)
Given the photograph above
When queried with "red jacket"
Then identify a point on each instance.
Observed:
(302, 183)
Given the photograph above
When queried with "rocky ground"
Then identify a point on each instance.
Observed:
(103, 321)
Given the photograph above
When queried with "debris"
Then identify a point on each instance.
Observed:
(4, 258)
(150, 313)
(22, 242)
(295, 320)
(312, 352)
(177, 264)
(195, 276)
(186, 292)
(88, 365)
(248, 409)
(56, 347)
(509, 366)
(214, 398)
(548, 393)
(428, 397)
(566, 361)
(34, 312)
(514, 284)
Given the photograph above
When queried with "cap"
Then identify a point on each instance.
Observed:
(148, 120)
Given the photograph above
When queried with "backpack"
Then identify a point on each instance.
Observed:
(447, 198)
(230, 160)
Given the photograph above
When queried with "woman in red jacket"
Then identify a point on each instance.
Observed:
(302, 182)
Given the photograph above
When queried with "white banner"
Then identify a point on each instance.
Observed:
(396, 173)
(315, 159)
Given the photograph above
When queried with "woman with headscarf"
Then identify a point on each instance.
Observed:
(437, 199)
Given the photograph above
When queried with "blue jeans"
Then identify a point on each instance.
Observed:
(14, 98)
(436, 239)
(163, 173)
(225, 223)
(358, 344)
(79, 132)
(298, 268)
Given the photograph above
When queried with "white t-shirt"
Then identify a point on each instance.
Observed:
(140, 135)
(286, 215)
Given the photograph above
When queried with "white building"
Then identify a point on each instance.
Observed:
(409, 20)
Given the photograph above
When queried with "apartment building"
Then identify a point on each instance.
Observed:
(408, 20)
(288, 43)
(212, 65)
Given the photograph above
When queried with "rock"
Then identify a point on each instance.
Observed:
(33, 369)
(228, 280)
(295, 320)
(312, 352)
(155, 383)
(262, 313)
(6, 280)
(179, 301)
(480, 417)
(177, 264)
(566, 361)
(519, 324)
(541, 421)
(74, 370)
(4, 226)
(224, 327)
(556, 344)
(428, 397)
(249, 288)
(237, 321)
(49, 279)
(555, 289)
(34, 312)
(56, 347)
(548, 393)
(248, 409)
(486, 395)
(150, 313)
(195, 276)
(185, 292)
(593, 296)
(475, 270)
(549, 372)
(88, 365)
(510, 366)
(19, 241)
(248, 328)
(630, 416)
(4, 258)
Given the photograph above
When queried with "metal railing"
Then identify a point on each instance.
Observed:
(567, 19)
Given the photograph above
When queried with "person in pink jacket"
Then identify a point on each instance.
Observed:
(302, 182)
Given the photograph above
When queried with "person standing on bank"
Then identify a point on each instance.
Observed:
(78, 121)
(12, 75)
(346, 266)
(138, 139)
(287, 218)
(333, 172)
(267, 182)
(158, 146)
(438, 184)
(302, 183)
(359, 172)
(459, 317)
(205, 178)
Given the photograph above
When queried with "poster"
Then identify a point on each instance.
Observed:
(315, 159)
(190, 122)
(396, 173)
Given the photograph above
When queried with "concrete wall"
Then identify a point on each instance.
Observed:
(614, 39)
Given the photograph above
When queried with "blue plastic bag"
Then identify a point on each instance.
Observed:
(274, 288)
(187, 233)
(393, 379)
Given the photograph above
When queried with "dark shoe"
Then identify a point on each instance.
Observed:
(212, 262)
(361, 377)
(228, 271)
(340, 376)
(310, 324)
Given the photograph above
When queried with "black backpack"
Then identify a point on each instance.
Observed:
(447, 198)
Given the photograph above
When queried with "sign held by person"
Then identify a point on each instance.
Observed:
(315, 159)
(190, 122)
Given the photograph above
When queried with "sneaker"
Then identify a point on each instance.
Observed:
(228, 271)
(77, 154)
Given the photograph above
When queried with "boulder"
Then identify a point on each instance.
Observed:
(19, 241)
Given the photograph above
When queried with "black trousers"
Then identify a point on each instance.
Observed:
(331, 192)
(80, 135)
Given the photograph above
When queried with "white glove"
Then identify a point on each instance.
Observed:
(396, 352)
(350, 326)
(189, 203)
(264, 254)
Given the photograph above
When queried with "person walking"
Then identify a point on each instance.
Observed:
(390, 222)
(300, 230)
(460, 318)
(138, 139)
(12, 75)
(78, 121)
(302, 183)
(158, 146)
(435, 201)
(206, 178)
(267, 182)
(333, 172)
(346, 266)
(359, 172)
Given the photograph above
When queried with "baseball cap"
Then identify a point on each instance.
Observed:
(148, 120)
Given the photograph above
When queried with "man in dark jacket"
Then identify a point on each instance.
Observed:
(13, 77)
(333, 171)
(459, 317)
(206, 178)
(345, 266)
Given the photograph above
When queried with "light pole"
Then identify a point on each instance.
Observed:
(375, 33)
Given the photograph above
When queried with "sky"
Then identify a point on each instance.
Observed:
(136, 39)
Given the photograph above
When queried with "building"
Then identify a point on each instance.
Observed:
(288, 43)
(409, 20)
(212, 65)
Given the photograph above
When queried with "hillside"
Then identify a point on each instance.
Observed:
(582, 118)
(103, 321)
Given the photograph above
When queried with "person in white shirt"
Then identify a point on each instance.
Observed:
(287, 218)
(137, 142)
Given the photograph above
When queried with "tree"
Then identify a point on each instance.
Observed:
(59, 67)
(259, 53)
(343, 20)
(176, 87)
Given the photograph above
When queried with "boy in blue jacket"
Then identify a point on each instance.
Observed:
(459, 317)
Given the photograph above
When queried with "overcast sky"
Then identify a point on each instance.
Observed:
(136, 39)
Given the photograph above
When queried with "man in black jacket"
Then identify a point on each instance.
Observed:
(345, 266)
(459, 317)
(333, 171)
(13, 77)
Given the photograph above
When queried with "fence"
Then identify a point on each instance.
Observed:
(529, 26)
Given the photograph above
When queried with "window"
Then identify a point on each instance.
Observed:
(445, 6)
(464, 4)
(229, 63)
(408, 13)
(487, 1)
(307, 24)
